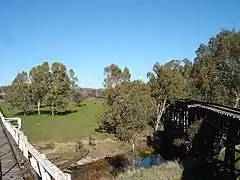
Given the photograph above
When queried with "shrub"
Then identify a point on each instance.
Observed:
(193, 129)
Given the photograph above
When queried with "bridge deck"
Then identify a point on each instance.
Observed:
(9, 166)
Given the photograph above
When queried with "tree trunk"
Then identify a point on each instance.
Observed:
(39, 104)
(236, 102)
(237, 99)
(52, 111)
(133, 146)
(160, 113)
(133, 156)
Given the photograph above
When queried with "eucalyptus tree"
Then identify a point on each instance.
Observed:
(19, 94)
(129, 106)
(60, 86)
(40, 83)
(168, 82)
(216, 69)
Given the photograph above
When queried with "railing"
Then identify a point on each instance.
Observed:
(43, 167)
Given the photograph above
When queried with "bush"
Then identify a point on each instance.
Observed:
(193, 129)
(79, 148)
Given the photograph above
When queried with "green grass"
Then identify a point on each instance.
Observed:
(237, 155)
(61, 128)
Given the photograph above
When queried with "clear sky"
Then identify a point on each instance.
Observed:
(87, 35)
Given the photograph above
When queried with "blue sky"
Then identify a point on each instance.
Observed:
(89, 35)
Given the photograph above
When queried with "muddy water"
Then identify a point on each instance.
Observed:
(105, 168)
(110, 167)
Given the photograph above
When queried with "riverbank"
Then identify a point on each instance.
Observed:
(167, 171)
(112, 167)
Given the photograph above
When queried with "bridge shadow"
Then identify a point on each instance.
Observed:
(169, 143)
(199, 156)
(202, 158)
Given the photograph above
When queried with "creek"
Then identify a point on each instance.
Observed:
(110, 167)
(155, 160)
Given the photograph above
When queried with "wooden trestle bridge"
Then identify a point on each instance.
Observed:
(218, 135)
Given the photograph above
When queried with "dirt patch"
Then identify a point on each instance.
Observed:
(103, 160)
(98, 149)
(50, 148)
(102, 149)
(45, 146)
(60, 153)
(100, 169)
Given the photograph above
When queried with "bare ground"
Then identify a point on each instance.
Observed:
(98, 162)
(61, 152)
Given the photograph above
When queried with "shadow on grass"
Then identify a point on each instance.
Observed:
(80, 105)
(47, 112)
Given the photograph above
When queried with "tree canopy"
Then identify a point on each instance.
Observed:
(129, 106)
(213, 76)
(19, 93)
(51, 86)
(40, 83)
(216, 72)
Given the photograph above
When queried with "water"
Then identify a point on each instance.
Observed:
(149, 161)
(103, 168)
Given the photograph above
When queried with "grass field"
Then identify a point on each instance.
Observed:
(60, 128)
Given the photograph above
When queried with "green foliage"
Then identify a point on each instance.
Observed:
(40, 82)
(77, 98)
(57, 97)
(56, 102)
(170, 80)
(43, 86)
(194, 129)
(3, 92)
(129, 106)
(237, 155)
(216, 69)
(91, 142)
(19, 94)
(133, 158)
(3, 89)
(78, 148)
(114, 76)
(214, 76)
(73, 79)
(74, 93)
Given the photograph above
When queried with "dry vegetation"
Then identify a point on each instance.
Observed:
(168, 171)
(102, 148)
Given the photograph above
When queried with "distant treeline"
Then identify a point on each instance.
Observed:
(53, 86)
(92, 93)
(88, 93)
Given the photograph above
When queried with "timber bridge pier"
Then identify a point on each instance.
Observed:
(210, 134)
(215, 139)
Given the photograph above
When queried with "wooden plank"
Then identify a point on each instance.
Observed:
(9, 166)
